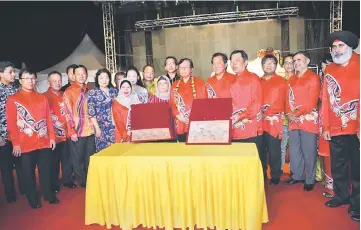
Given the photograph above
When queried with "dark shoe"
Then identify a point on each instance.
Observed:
(353, 211)
(308, 187)
(83, 185)
(274, 181)
(292, 181)
(57, 189)
(54, 201)
(335, 203)
(35, 206)
(11, 200)
(356, 217)
(69, 185)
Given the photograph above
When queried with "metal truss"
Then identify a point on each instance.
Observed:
(336, 16)
(109, 38)
(217, 18)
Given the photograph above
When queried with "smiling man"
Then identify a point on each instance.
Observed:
(341, 124)
(80, 128)
(61, 153)
(301, 108)
(31, 132)
(183, 92)
(219, 85)
(274, 90)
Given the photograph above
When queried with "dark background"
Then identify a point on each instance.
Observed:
(41, 34)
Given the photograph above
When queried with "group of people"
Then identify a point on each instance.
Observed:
(316, 114)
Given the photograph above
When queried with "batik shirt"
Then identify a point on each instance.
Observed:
(76, 108)
(29, 121)
(341, 98)
(5, 92)
(302, 99)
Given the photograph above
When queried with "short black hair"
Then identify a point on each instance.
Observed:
(125, 81)
(26, 70)
(54, 72)
(148, 66)
(269, 56)
(218, 54)
(4, 65)
(170, 57)
(79, 66)
(104, 70)
(139, 81)
(241, 52)
(289, 55)
(186, 59)
(72, 66)
(119, 73)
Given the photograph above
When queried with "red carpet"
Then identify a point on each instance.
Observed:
(289, 207)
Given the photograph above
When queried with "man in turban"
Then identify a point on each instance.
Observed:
(341, 121)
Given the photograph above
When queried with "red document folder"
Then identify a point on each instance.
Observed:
(151, 122)
(211, 112)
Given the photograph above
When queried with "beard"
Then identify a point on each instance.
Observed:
(342, 58)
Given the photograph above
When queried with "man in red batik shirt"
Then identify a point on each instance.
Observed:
(31, 132)
(61, 152)
(246, 95)
(274, 88)
(341, 119)
(219, 85)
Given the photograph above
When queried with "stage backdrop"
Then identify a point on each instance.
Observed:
(200, 42)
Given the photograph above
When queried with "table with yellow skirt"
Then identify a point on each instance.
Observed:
(174, 185)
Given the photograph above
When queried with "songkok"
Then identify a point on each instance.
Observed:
(347, 37)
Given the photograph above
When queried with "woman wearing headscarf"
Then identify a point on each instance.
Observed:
(121, 111)
(137, 85)
(162, 91)
(99, 109)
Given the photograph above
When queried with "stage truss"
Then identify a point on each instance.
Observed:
(336, 16)
(217, 18)
(109, 38)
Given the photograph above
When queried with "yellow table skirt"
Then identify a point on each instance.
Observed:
(174, 185)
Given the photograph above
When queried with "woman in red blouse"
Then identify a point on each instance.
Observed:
(121, 111)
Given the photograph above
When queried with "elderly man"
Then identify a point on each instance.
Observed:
(301, 108)
(341, 111)
(61, 152)
(148, 79)
(183, 92)
(218, 86)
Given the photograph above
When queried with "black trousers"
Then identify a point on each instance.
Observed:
(29, 161)
(345, 151)
(80, 154)
(61, 154)
(7, 160)
(182, 137)
(272, 146)
(258, 140)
